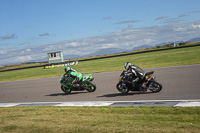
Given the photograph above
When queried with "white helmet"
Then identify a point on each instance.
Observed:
(67, 69)
(127, 65)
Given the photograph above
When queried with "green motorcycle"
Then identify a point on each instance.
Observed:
(84, 84)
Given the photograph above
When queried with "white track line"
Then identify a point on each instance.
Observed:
(188, 104)
(85, 103)
(174, 103)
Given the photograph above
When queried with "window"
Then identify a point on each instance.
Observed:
(54, 55)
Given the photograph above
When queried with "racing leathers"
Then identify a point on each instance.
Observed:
(136, 74)
(75, 75)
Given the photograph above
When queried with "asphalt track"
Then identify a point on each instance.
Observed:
(179, 83)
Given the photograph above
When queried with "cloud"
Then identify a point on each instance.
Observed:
(182, 15)
(23, 58)
(198, 11)
(107, 18)
(173, 20)
(26, 51)
(160, 18)
(44, 34)
(7, 37)
(127, 22)
(2, 52)
(179, 29)
(130, 26)
(127, 39)
(195, 27)
(21, 55)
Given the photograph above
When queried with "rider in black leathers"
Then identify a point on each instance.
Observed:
(136, 73)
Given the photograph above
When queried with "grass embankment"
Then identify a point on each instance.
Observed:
(174, 57)
(99, 119)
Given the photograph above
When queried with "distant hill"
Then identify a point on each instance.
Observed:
(71, 56)
(106, 51)
(45, 59)
(191, 40)
(161, 44)
(141, 47)
(114, 50)
(194, 39)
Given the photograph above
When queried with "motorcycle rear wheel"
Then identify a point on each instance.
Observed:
(122, 89)
(65, 89)
(91, 88)
(154, 86)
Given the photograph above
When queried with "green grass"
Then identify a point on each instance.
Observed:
(50, 119)
(99, 119)
(174, 57)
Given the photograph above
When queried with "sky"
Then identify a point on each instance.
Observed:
(29, 29)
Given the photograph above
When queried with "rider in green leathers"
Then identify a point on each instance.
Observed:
(70, 72)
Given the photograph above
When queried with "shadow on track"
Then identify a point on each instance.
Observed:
(64, 94)
(120, 94)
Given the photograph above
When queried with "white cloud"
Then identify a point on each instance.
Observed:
(179, 29)
(72, 44)
(25, 51)
(23, 58)
(28, 50)
(126, 39)
(107, 46)
(148, 41)
(3, 52)
(195, 27)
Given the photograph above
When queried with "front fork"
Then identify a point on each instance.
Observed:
(146, 84)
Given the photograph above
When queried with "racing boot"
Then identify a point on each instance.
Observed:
(132, 83)
(78, 86)
(142, 88)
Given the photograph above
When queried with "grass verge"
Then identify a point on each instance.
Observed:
(99, 119)
(174, 57)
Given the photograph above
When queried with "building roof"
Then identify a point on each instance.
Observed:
(55, 52)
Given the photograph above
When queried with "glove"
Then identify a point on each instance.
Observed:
(129, 74)
(66, 80)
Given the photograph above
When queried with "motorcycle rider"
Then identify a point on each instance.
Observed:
(136, 73)
(70, 72)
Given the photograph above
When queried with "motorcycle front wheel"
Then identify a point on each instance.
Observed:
(65, 89)
(122, 89)
(154, 86)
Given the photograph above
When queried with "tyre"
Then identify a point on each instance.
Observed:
(65, 89)
(91, 88)
(122, 89)
(154, 86)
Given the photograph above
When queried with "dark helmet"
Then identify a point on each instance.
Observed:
(127, 65)
(67, 68)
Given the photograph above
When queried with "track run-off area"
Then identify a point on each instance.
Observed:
(181, 87)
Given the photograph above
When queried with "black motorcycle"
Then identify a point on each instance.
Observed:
(146, 83)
